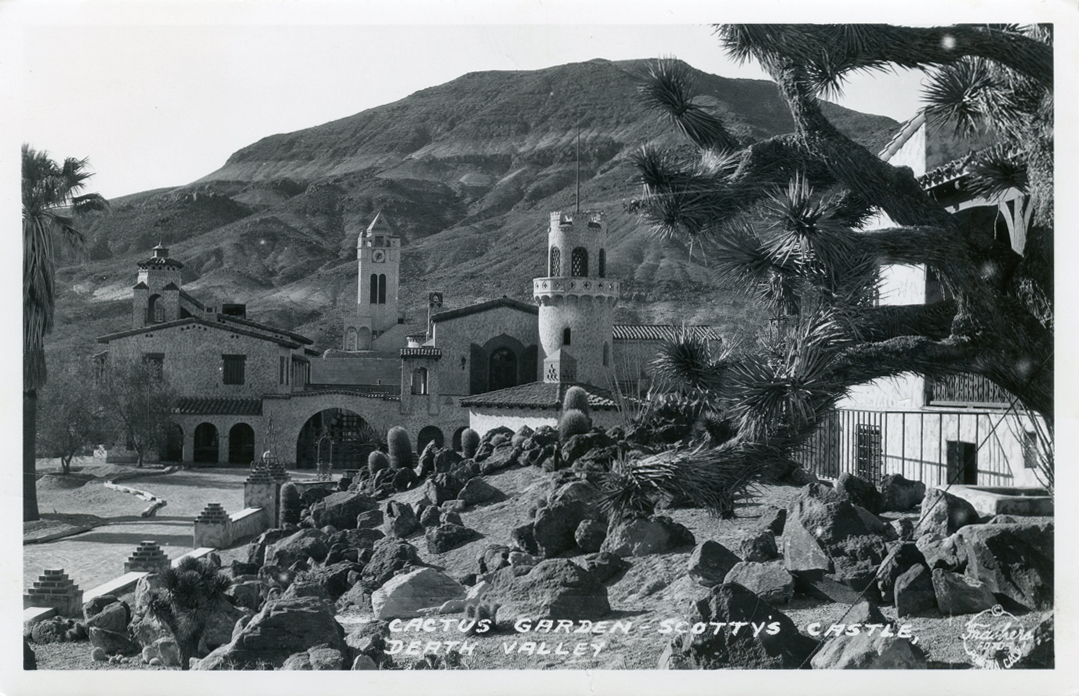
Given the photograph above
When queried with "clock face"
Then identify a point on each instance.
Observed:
(378, 256)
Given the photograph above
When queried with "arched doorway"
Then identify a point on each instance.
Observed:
(455, 441)
(503, 370)
(241, 444)
(205, 444)
(336, 435)
(174, 444)
(428, 434)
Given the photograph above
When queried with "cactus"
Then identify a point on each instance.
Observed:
(376, 462)
(470, 442)
(288, 509)
(573, 422)
(576, 398)
(400, 446)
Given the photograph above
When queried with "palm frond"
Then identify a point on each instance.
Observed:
(995, 171)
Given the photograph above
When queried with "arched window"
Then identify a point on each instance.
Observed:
(606, 354)
(419, 380)
(602, 263)
(155, 313)
(565, 336)
(579, 263)
(502, 372)
(374, 289)
(556, 261)
(382, 288)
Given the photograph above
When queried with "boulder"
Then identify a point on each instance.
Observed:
(769, 581)
(827, 516)
(524, 537)
(899, 560)
(405, 596)
(554, 589)
(902, 529)
(357, 598)
(334, 578)
(640, 536)
(900, 494)
(578, 445)
(940, 553)
(556, 524)
(914, 593)
(604, 565)
(401, 520)
(445, 460)
(306, 588)
(341, 509)
(858, 491)
(478, 491)
(1014, 560)
(782, 648)
(440, 488)
(452, 517)
(865, 651)
(361, 538)
(855, 561)
(390, 556)
(943, 514)
(404, 478)
(959, 594)
(590, 535)
(710, 562)
(430, 517)
(283, 627)
(801, 550)
(93, 607)
(113, 617)
(166, 651)
(494, 557)
(759, 547)
(363, 662)
(772, 519)
(500, 457)
(220, 622)
(372, 519)
(448, 536)
(247, 594)
(304, 544)
(113, 642)
(873, 524)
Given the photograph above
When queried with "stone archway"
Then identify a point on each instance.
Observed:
(174, 444)
(337, 435)
(206, 444)
(428, 434)
(241, 444)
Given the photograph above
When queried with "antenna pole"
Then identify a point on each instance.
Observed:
(578, 203)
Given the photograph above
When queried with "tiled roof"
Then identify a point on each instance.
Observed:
(661, 332)
(540, 395)
(197, 406)
(264, 327)
(421, 352)
(282, 338)
(484, 306)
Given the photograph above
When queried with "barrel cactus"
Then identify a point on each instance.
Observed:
(470, 442)
(288, 509)
(400, 446)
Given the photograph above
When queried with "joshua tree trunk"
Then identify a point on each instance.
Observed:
(29, 455)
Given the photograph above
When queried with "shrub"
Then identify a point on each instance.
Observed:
(288, 509)
(376, 462)
(576, 398)
(573, 422)
(186, 602)
(470, 442)
(400, 446)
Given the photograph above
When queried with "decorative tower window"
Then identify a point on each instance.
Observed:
(382, 288)
(374, 289)
(565, 336)
(556, 262)
(579, 265)
(602, 263)
(419, 381)
(606, 352)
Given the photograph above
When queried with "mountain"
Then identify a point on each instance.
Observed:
(467, 171)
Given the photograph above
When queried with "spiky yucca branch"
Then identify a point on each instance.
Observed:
(831, 51)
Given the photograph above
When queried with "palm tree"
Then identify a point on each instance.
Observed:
(783, 219)
(51, 203)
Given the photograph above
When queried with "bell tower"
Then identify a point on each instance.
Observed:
(378, 252)
(576, 300)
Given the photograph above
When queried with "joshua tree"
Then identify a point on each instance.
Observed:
(52, 201)
(785, 218)
(191, 593)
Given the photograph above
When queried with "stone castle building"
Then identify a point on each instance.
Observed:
(247, 387)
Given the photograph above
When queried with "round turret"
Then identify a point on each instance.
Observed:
(576, 300)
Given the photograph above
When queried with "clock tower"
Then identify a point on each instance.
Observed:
(378, 251)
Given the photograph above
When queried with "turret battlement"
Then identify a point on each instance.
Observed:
(593, 219)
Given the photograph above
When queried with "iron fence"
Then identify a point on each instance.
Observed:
(936, 447)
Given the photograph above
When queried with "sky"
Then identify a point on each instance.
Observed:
(163, 99)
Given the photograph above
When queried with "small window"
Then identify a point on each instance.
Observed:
(373, 295)
(382, 288)
(869, 456)
(556, 261)
(233, 368)
(606, 355)
(419, 381)
(565, 336)
(602, 263)
(579, 262)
